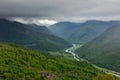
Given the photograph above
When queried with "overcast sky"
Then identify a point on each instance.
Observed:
(61, 10)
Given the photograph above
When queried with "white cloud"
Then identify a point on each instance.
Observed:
(44, 22)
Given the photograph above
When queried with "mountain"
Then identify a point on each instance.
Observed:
(81, 32)
(32, 36)
(89, 30)
(104, 50)
(63, 29)
(17, 63)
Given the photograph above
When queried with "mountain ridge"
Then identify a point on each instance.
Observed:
(81, 32)
(32, 36)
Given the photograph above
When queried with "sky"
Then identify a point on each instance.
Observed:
(52, 11)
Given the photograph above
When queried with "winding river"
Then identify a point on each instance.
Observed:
(72, 49)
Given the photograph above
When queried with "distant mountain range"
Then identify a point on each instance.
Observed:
(104, 50)
(32, 36)
(81, 32)
(63, 29)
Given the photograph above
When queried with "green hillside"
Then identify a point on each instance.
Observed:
(18, 63)
(104, 50)
(32, 36)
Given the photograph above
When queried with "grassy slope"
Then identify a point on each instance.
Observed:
(104, 50)
(18, 63)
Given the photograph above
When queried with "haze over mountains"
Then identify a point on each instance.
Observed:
(104, 50)
(32, 36)
(81, 32)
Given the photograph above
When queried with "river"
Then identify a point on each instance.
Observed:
(72, 49)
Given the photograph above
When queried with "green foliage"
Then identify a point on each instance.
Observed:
(99, 77)
(106, 77)
(18, 63)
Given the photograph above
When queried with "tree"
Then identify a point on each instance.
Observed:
(109, 77)
(99, 77)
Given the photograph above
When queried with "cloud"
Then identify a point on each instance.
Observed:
(44, 22)
(61, 9)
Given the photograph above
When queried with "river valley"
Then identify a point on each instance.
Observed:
(71, 51)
